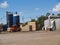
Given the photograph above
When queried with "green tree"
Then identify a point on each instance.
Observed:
(33, 20)
(40, 20)
(47, 14)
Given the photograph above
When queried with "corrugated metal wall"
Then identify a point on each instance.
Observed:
(57, 22)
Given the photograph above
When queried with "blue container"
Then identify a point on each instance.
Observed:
(9, 19)
(16, 20)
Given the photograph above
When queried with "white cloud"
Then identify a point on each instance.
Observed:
(37, 9)
(4, 4)
(56, 8)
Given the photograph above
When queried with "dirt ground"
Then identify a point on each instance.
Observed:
(30, 38)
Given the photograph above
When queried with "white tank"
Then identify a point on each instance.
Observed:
(48, 24)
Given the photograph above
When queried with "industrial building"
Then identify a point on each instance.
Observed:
(57, 24)
(52, 24)
(16, 19)
(49, 24)
(13, 21)
(31, 26)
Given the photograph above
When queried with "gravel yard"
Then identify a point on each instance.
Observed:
(30, 38)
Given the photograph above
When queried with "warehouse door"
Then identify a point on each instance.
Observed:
(30, 28)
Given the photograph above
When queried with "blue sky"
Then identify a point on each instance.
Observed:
(28, 8)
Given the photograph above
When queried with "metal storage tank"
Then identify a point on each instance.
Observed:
(46, 24)
(49, 24)
(16, 19)
(9, 18)
(57, 22)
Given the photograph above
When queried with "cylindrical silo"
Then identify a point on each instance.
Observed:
(9, 19)
(16, 19)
